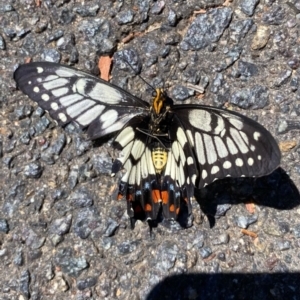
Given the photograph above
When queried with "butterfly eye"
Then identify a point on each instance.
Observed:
(166, 151)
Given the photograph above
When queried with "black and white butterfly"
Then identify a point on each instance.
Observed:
(167, 150)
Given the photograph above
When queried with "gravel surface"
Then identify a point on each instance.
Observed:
(62, 233)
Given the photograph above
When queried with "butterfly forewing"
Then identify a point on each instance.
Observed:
(226, 143)
(71, 95)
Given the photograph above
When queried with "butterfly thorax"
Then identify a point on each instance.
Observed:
(159, 111)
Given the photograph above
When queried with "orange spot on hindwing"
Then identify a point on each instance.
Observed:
(172, 208)
(156, 196)
(165, 197)
(148, 207)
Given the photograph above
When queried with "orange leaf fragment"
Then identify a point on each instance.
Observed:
(104, 65)
(248, 232)
(287, 145)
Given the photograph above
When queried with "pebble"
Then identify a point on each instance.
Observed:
(245, 221)
(248, 6)
(205, 252)
(81, 198)
(274, 16)
(61, 226)
(261, 37)
(23, 284)
(33, 170)
(86, 220)
(256, 97)
(87, 10)
(85, 283)
(167, 251)
(70, 265)
(239, 29)
(125, 17)
(2, 43)
(201, 33)
(4, 226)
(51, 55)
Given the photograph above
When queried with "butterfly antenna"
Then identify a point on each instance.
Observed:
(131, 67)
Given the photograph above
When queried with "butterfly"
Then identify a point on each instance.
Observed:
(167, 150)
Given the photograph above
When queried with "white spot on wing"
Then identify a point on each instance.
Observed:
(245, 137)
(45, 97)
(105, 93)
(125, 136)
(90, 115)
(210, 149)
(252, 147)
(109, 118)
(238, 140)
(200, 148)
(62, 117)
(200, 119)
(53, 84)
(78, 108)
(70, 99)
(238, 124)
(50, 77)
(220, 125)
(132, 176)
(256, 135)
(190, 137)
(194, 177)
(175, 150)
(190, 160)
(214, 170)
(138, 149)
(54, 106)
(39, 70)
(204, 174)
(221, 148)
(227, 164)
(63, 72)
(231, 146)
(250, 161)
(60, 92)
(239, 162)
(259, 157)
(36, 89)
(181, 136)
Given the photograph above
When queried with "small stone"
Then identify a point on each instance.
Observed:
(205, 252)
(261, 37)
(125, 17)
(274, 16)
(248, 6)
(86, 283)
(158, 7)
(245, 221)
(4, 226)
(51, 55)
(33, 170)
(283, 245)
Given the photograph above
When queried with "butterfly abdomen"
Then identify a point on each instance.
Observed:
(159, 158)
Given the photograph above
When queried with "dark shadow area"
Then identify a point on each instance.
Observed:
(261, 286)
(276, 190)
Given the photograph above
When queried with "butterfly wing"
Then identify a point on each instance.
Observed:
(71, 95)
(227, 144)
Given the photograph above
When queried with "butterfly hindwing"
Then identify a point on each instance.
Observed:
(71, 95)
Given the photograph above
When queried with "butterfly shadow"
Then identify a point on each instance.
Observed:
(275, 190)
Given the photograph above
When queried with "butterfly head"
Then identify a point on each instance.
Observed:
(160, 102)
